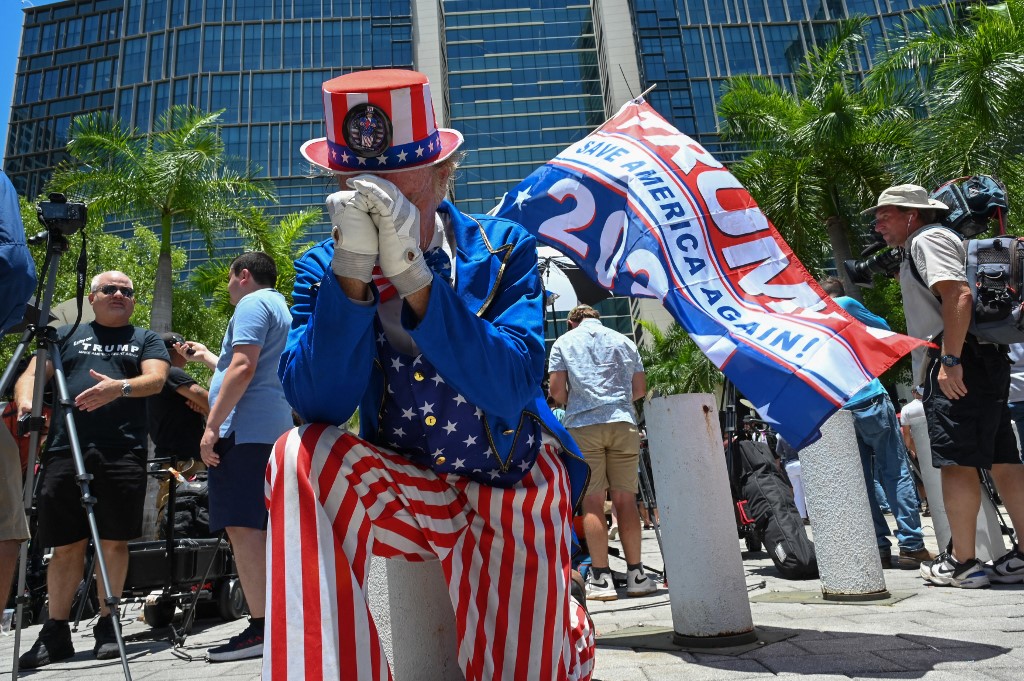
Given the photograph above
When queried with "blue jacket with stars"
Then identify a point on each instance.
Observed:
(483, 337)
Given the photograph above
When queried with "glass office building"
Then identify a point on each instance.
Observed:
(522, 79)
(690, 47)
(261, 61)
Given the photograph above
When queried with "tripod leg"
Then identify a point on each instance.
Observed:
(87, 578)
(647, 495)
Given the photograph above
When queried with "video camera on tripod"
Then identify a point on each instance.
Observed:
(973, 202)
(59, 216)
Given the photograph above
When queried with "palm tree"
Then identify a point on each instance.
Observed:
(281, 242)
(821, 153)
(174, 177)
(675, 364)
(972, 85)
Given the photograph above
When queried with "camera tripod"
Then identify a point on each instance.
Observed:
(46, 339)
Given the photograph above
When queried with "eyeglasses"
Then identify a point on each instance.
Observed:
(110, 290)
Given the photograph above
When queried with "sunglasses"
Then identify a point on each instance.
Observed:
(111, 289)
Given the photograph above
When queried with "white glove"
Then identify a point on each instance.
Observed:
(398, 232)
(355, 238)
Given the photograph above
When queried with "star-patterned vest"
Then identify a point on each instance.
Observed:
(426, 420)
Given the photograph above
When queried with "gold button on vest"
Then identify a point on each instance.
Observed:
(440, 460)
(430, 420)
(508, 432)
(418, 376)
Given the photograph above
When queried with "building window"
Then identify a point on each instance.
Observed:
(187, 52)
(232, 48)
(211, 48)
(134, 63)
(156, 15)
(156, 56)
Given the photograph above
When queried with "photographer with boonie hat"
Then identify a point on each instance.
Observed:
(966, 383)
(430, 321)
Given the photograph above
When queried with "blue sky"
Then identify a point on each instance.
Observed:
(11, 19)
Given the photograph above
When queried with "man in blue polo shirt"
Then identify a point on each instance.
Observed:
(881, 449)
(248, 412)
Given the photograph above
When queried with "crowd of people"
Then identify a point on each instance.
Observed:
(459, 457)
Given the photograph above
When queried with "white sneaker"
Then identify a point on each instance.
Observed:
(639, 584)
(1007, 570)
(603, 590)
(945, 571)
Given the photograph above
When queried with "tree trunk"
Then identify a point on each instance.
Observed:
(835, 226)
(160, 317)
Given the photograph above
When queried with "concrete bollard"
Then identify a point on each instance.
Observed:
(988, 543)
(837, 503)
(414, 617)
(706, 582)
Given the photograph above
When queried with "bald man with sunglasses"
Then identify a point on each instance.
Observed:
(109, 365)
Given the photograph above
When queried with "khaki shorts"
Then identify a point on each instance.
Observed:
(12, 504)
(613, 452)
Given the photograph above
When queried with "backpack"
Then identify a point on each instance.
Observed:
(191, 511)
(995, 275)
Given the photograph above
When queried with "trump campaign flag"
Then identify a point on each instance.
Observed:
(647, 212)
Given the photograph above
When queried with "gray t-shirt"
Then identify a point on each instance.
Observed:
(939, 256)
(600, 364)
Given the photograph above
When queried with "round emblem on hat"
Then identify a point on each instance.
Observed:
(367, 130)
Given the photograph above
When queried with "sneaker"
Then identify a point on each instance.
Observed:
(911, 560)
(945, 571)
(603, 590)
(614, 532)
(105, 647)
(243, 646)
(1007, 570)
(639, 584)
(53, 645)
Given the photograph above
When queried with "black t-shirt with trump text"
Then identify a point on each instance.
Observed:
(117, 353)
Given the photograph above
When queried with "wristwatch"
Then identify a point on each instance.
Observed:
(126, 389)
(950, 360)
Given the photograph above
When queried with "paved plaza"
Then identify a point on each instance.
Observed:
(929, 633)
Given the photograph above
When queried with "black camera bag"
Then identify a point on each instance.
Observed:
(770, 503)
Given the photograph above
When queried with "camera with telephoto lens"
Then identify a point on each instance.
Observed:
(973, 202)
(875, 259)
(61, 215)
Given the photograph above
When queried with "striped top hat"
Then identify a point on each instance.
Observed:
(379, 121)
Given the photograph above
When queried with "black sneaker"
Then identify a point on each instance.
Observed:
(105, 647)
(53, 645)
(243, 646)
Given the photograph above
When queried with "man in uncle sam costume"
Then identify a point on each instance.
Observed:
(459, 458)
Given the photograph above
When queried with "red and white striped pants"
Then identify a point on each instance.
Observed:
(335, 499)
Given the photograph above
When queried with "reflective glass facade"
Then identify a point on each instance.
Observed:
(523, 83)
(690, 47)
(262, 61)
(522, 79)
